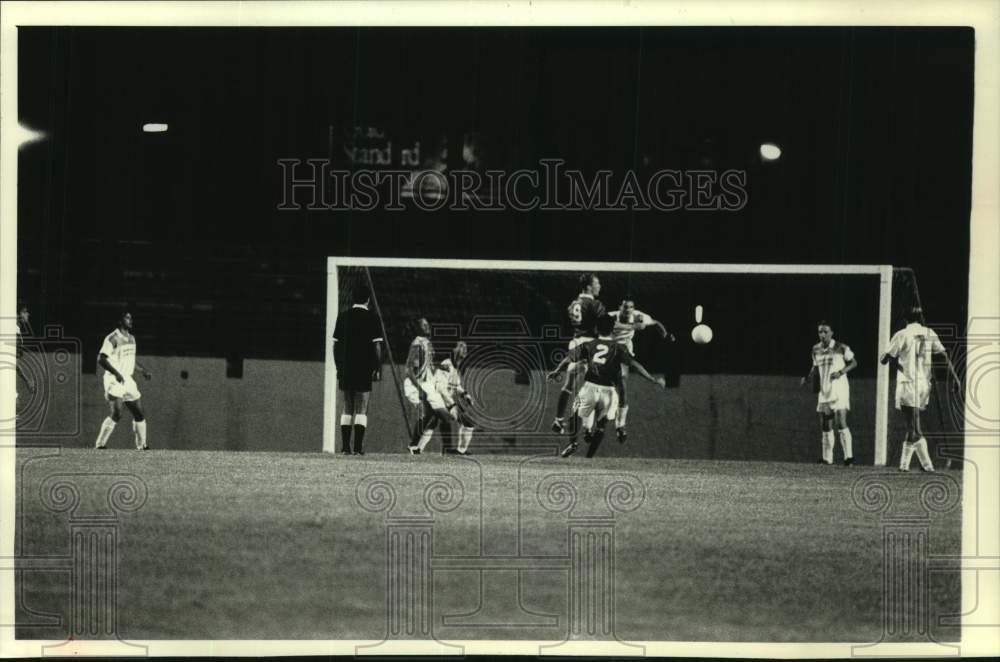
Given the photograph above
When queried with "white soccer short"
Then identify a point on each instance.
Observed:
(912, 394)
(434, 398)
(594, 402)
(126, 391)
(838, 398)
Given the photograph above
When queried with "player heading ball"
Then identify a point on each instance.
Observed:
(597, 400)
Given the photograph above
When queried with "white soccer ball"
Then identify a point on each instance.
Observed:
(701, 334)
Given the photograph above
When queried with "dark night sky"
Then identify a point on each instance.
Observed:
(875, 126)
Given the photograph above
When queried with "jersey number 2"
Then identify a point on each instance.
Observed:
(599, 355)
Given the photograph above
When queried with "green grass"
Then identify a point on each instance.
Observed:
(274, 546)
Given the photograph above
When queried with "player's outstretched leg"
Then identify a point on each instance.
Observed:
(138, 424)
(108, 426)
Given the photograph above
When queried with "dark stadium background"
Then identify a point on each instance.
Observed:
(875, 127)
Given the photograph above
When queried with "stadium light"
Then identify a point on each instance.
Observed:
(154, 127)
(26, 135)
(770, 152)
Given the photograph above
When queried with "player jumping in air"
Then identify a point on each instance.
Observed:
(421, 389)
(117, 357)
(583, 312)
(598, 399)
(357, 344)
(912, 349)
(456, 399)
(628, 320)
(831, 361)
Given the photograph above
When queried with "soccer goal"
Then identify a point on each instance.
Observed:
(737, 397)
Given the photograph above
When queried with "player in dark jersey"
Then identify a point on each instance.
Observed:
(357, 343)
(598, 399)
(583, 313)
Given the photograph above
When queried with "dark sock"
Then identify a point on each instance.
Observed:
(593, 441)
(345, 433)
(575, 423)
(563, 401)
(359, 438)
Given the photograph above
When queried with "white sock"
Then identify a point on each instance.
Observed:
(920, 446)
(828, 446)
(464, 438)
(906, 456)
(346, 419)
(139, 427)
(360, 419)
(622, 416)
(107, 427)
(846, 443)
(425, 439)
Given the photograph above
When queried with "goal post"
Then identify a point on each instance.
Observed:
(393, 275)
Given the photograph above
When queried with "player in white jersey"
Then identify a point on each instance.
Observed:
(421, 389)
(912, 350)
(117, 357)
(456, 399)
(831, 361)
(628, 320)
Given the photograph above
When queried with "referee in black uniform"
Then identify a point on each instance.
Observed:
(357, 353)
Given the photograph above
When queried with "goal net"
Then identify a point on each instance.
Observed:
(738, 397)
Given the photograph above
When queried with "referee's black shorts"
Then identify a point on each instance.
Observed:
(355, 379)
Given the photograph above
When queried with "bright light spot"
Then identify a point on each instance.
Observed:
(770, 152)
(27, 135)
(154, 128)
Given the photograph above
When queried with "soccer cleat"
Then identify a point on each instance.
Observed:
(100, 448)
(926, 470)
(558, 426)
(346, 451)
(359, 452)
(451, 451)
(822, 461)
(569, 450)
(414, 450)
(849, 462)
(622, 435)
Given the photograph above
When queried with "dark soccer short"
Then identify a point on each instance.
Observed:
(355, 381)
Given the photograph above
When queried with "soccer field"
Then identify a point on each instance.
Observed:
(233, 545)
